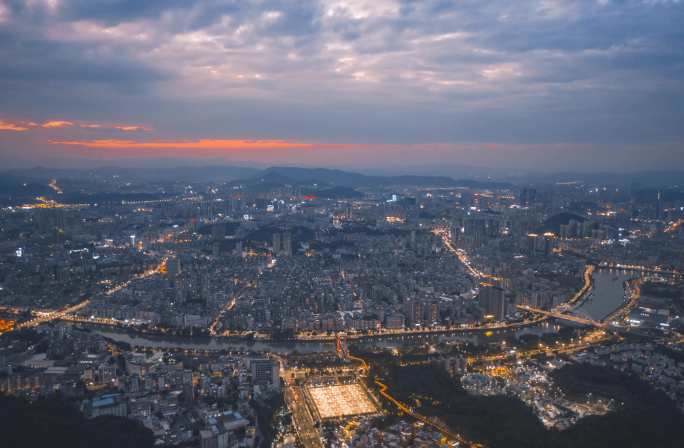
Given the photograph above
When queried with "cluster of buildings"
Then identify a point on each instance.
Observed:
(281, 260)
(400, 434)
(532, 384)
(182, 397)
(662, 368)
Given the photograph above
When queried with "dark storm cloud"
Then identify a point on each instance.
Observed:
(40, 60)
(113, 12)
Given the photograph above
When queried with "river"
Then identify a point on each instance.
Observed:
(240, 345)
(607, 295)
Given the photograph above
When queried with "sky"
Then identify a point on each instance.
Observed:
(386, 85)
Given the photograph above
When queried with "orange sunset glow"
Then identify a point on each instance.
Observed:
(8, 126)
(190, 144)
(131, 128)
(57, 124)
(21, 126)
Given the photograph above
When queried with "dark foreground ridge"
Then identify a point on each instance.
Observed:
(51, 422)
(645, 418)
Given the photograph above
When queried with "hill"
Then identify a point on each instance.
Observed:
(53, 423)
(332, 177)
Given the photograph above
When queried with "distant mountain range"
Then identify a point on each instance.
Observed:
(324, 177)
(339, 178)
(18, 185)
(639, 179)
(181, 173)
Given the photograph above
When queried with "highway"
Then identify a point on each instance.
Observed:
(295, 400)
(673, 226)
(52, 315)
(462, 256)
(589, 339)
(94, 320)
(148, 273)
(639, 268)
(563, 316)
(303, 420)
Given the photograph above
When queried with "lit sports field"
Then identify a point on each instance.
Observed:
(341, 400)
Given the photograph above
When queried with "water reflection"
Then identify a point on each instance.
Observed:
(607, 295)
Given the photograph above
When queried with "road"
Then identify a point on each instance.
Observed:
(495, 326)
(462, 256)
(158, 269)
(597, 336)
(589, 339)
(440, 427)
(437, 425)
(303, 420)
(639, 268)
(563, 316)
(52, 315)
(384, 333)
(229, 306)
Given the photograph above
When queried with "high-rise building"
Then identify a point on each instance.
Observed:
(432, 313)
(493, 302)
(414, 311)
(527, 196)
(287, 244)
(276, 243)
(348, 211)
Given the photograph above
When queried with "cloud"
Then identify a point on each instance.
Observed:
(212, 144)
(132, 128)
(57, 124)
(15, 127)
(382, 71)
(118, 127)
(62, 124)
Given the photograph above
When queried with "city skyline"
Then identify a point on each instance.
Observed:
(377, 86)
